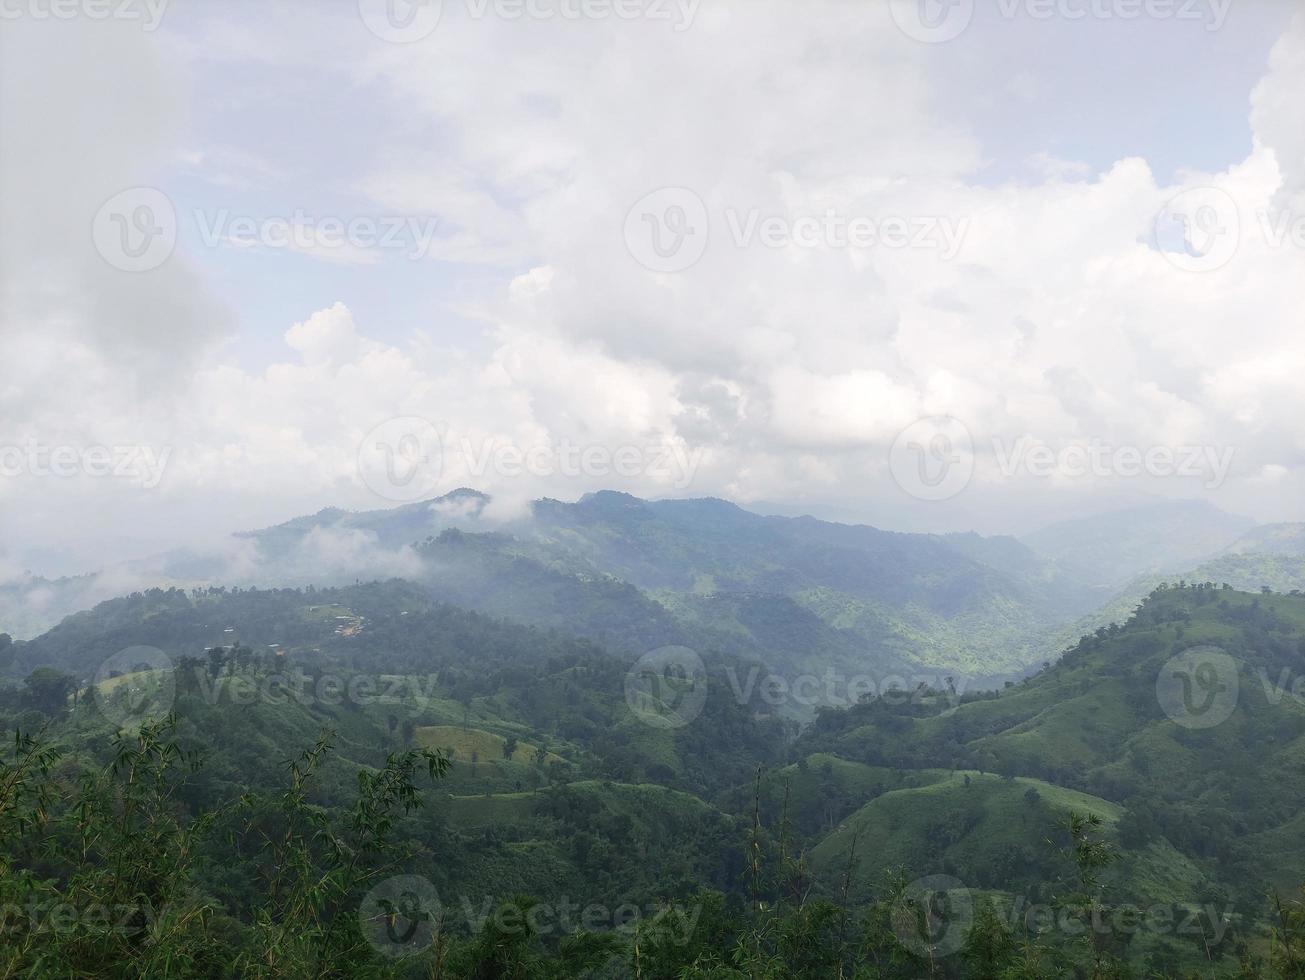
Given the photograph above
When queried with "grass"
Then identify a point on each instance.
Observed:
(464, 744)
(958, 822)
(486, 810)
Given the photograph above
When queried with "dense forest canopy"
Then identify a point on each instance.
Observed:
(268, 806)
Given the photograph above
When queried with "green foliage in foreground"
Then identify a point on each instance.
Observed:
(103, 881)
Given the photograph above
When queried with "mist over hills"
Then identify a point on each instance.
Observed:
(798, 593)
(1109, 550)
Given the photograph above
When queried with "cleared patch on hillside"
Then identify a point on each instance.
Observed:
(466, 744)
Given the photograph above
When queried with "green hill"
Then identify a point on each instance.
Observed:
(1093, 723)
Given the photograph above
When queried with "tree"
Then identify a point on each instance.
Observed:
(47, 690)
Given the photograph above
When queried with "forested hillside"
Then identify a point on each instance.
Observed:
(632, 574)
(736, 843)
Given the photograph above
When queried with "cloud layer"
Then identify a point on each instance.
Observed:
(1074, 311)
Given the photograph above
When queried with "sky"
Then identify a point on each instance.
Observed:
(924, 264)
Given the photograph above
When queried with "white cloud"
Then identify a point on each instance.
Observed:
(326, 337)
(1279, 104)
(791, 369)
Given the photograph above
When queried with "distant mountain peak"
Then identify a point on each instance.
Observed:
(611, 497)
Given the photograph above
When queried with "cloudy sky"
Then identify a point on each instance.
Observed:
(951, 265)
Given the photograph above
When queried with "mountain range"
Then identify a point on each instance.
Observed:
(794, 593)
